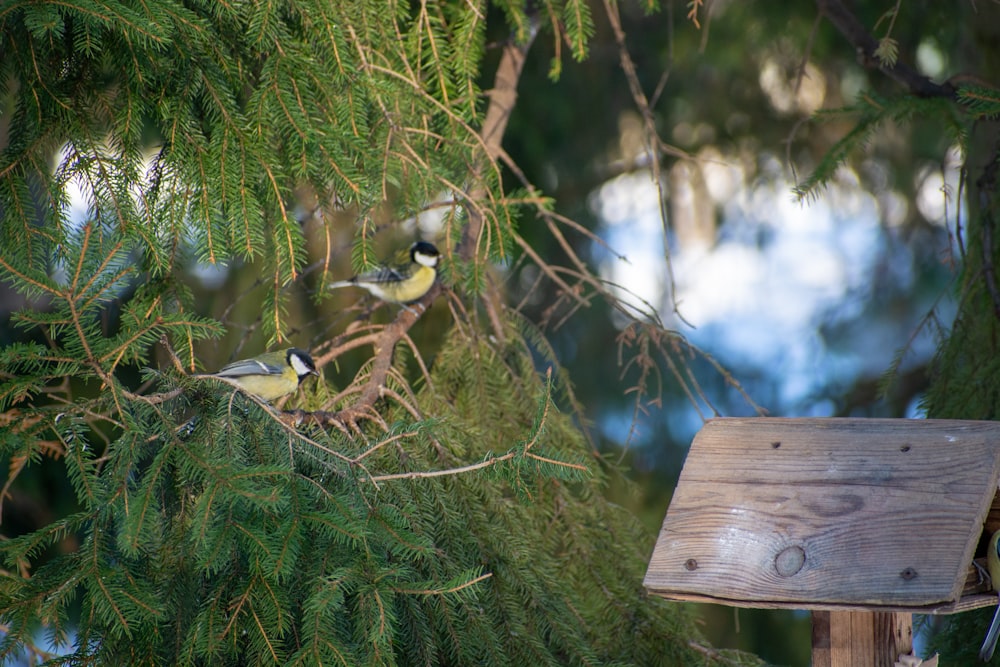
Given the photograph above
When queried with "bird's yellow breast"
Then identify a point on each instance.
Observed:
(414, 287)
(269, 387)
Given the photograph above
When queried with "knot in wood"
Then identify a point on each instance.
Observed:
(908, 573)
(789, 561)
(691, 564)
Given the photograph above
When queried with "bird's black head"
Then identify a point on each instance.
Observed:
(424, 253)
(302, 363)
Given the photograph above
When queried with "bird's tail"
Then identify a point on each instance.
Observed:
(341, 283)
(990, 643)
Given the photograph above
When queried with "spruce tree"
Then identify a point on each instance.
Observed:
(444, 506)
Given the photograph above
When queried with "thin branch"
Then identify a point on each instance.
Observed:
(524, 450)
(800, 74)
(474, 466)
(445, 591)
(388, 441)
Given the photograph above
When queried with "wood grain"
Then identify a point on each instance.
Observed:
(828, 513)
(855, 638)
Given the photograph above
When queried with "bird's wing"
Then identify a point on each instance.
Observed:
(248, 367)
(383, 274)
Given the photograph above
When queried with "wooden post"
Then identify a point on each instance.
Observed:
(860, 638)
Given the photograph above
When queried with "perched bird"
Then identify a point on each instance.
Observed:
(993, 565)
(403, 283)
(270, 375)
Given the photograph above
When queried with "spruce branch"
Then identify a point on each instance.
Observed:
(211, 542)
(869, 50)
(981, 99)
(384, 346)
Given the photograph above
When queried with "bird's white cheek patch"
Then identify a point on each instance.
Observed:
(299, 365)
(426, 260)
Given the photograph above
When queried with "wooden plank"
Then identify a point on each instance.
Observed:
(828, 513)
(860, 638)
(976, 594)
(977, 601)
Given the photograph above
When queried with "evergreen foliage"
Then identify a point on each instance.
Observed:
(981, 101)
(234, 538)
(464, 525)
(870, 114)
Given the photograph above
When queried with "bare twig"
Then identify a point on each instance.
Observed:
(654, 144)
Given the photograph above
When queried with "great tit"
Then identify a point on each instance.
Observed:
(272, 374)
(993, 565)
(402, 283)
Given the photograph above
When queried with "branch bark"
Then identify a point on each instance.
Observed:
(503, 98)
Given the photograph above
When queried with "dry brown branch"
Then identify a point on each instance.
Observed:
(17, 422)
(427, 474)
(384, 346)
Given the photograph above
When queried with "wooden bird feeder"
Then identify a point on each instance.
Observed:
(862, 521)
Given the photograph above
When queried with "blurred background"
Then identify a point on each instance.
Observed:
(828, 306)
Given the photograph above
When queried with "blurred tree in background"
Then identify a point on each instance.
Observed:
(180, 180)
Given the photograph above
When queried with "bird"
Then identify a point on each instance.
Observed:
(401, 283)
(271, 375)
(993, 566)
